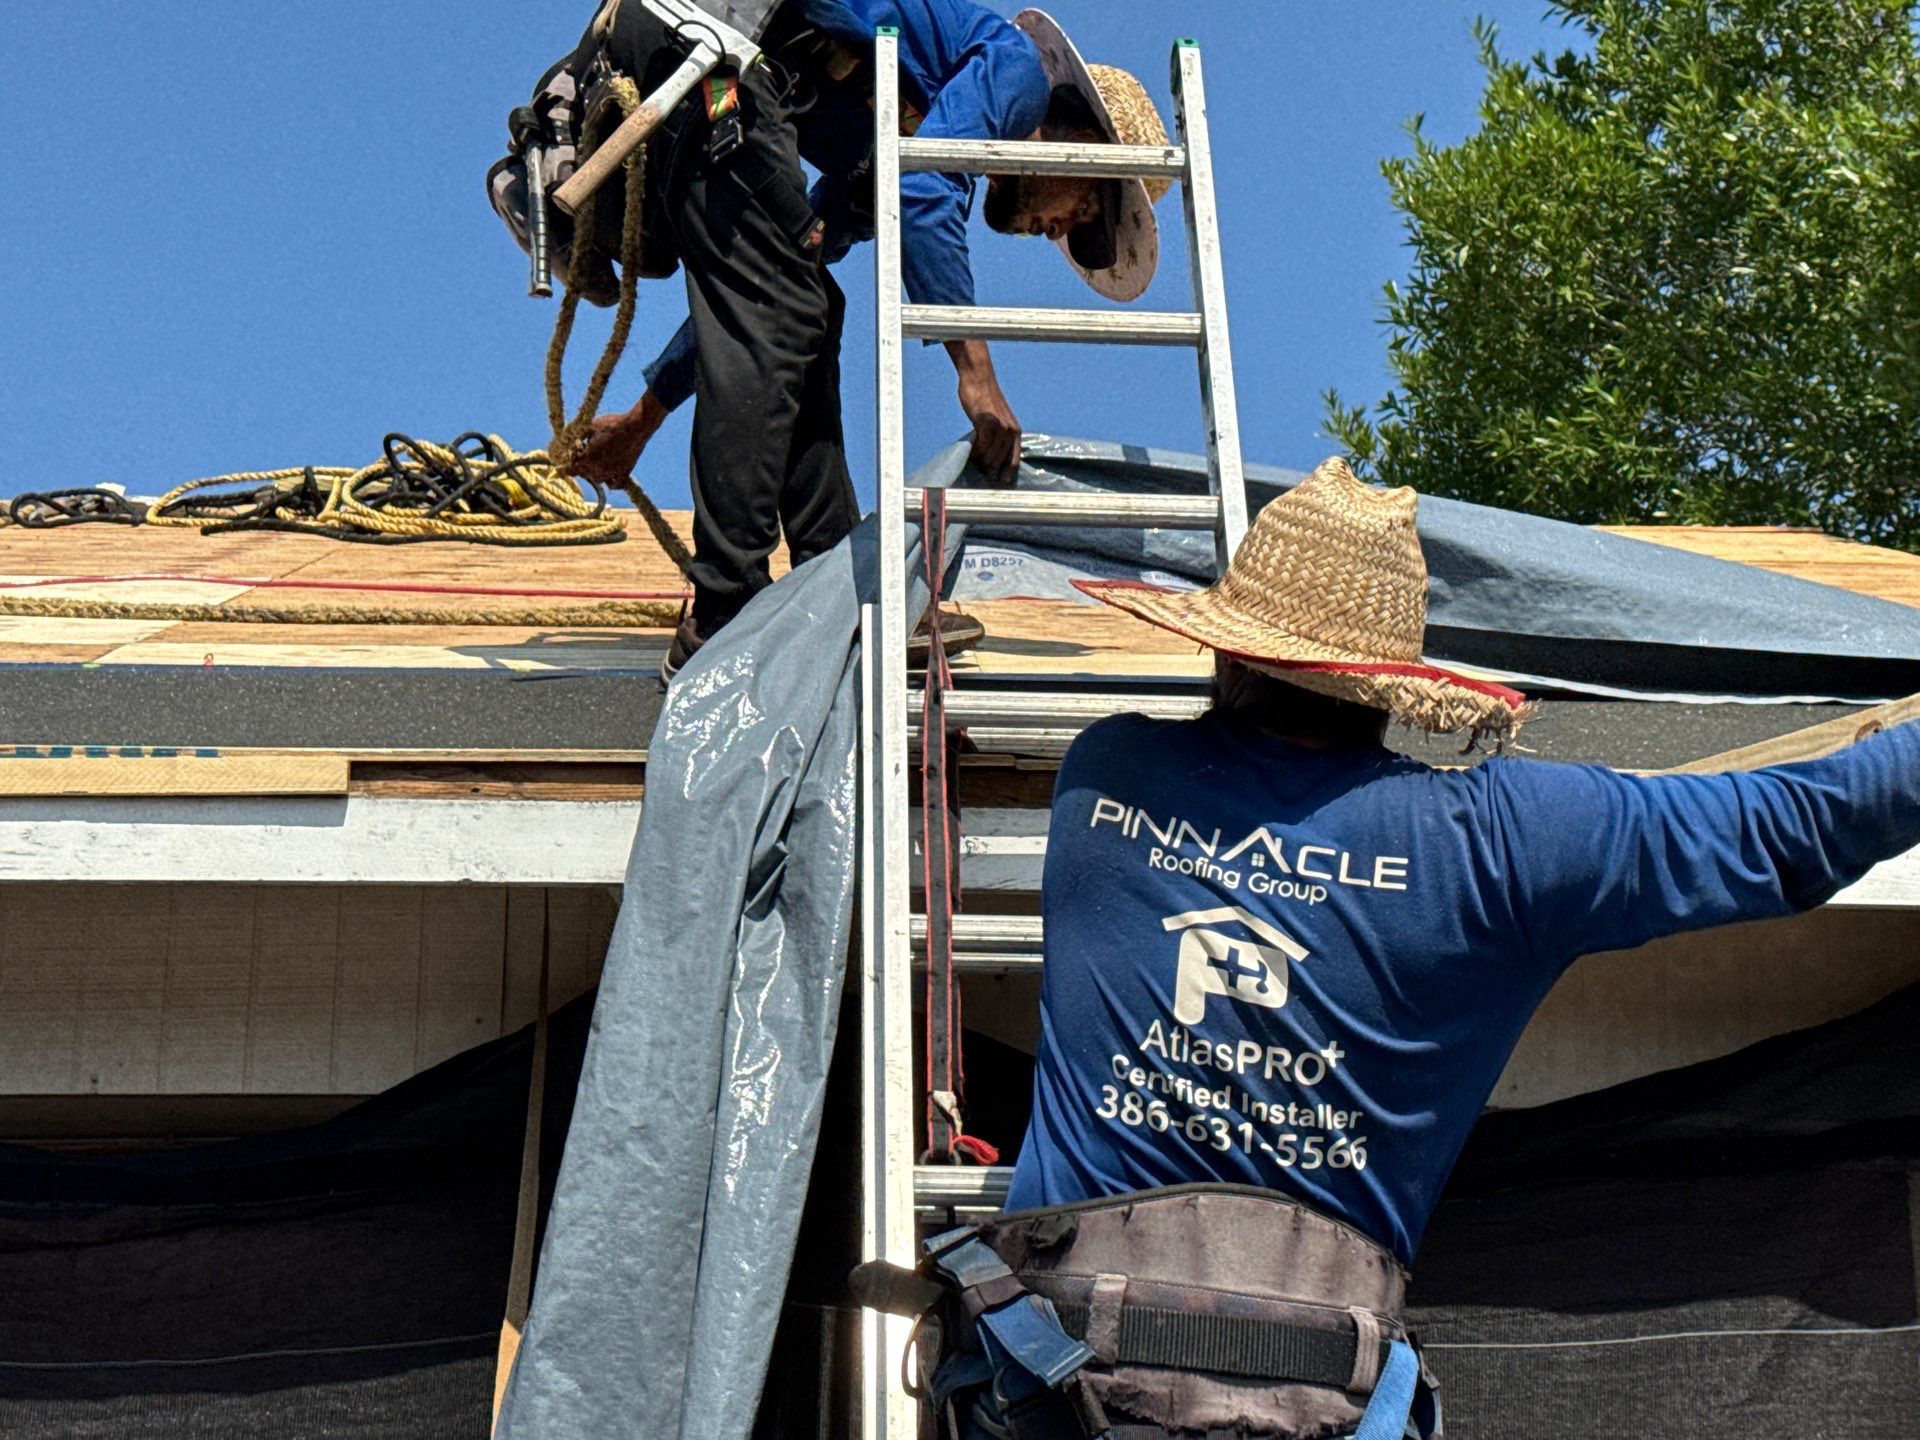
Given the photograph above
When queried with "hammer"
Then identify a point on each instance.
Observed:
(715, 41)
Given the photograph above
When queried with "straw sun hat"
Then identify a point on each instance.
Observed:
(1329, 592)
(1118, 253)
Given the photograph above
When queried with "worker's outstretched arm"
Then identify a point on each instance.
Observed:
(996, 429)
(1598, 860)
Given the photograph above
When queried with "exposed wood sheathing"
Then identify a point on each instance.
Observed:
(1804, 554)
(638, 564)
(1023, 635)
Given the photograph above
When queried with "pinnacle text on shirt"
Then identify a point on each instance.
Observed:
(1211, 857)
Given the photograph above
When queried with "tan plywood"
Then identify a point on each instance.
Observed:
(211, 936)
(466, 650)
(463, 947)
(1694, 997)
(1804, 554)
(173, 774)
(579, 923)
(377, 994)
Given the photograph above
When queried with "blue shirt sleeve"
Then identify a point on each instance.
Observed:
(1000, 93)
(670, 375)
(1598, 860)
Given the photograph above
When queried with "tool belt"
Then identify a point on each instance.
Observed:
(573, 108)
(1195, 1308)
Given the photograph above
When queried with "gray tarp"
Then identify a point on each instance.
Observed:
(1537, 597)
(673, 1222)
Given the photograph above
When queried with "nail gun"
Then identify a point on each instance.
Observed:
(531, 138)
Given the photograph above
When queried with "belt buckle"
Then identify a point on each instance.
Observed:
(726, 137)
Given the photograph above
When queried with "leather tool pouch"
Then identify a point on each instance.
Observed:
(1208, 1308)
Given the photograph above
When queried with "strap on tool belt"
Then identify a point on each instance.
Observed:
(1020, 1349)
(1227, 1345)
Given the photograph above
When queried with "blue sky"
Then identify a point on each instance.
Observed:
(240, 242)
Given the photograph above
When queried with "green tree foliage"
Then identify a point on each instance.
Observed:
(1675, 275)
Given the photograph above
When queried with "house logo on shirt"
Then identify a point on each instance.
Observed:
(1214, 961)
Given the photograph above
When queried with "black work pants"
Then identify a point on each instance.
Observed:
(768, 451)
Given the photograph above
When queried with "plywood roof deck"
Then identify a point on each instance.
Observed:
(104, 550)
(1023, 635)
(1806, 554)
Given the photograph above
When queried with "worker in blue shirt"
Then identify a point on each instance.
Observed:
(759, 351)
(1284, 967)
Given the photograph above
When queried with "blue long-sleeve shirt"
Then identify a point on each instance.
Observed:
(970, 74)
(1305, 969)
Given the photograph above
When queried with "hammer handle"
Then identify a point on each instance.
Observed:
(614, 150)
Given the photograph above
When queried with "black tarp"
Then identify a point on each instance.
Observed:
(1723, 1250)
(344, 1281)
(1730, 1249)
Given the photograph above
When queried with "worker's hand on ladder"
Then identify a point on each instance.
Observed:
(614, 443)
(996, 430)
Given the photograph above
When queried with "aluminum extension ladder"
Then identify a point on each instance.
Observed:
(1021, 720)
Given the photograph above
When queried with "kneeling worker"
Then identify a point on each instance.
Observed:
(1285, 967)
(760, 349)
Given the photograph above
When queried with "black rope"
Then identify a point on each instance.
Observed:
(51, 509)
(477, 536)
(259, 502)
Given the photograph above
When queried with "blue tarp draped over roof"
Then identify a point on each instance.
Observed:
(1539, 598)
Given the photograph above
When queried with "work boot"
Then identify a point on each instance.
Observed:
(957, 633)
(687, 640)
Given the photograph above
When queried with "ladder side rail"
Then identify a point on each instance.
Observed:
(893, 1413)
(1226, 469)
(886, 1053)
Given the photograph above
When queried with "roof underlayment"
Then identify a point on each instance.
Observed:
(1557, 605)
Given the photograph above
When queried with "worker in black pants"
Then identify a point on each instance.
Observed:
(768, 453)
(966, 73)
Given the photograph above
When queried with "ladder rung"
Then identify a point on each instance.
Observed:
(988, 944)
(1062, 709)
(1091, 327)
(1068, 507)
(1044, 723)
(961, 1187)
(1040, 157)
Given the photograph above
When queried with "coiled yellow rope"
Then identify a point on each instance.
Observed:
(546, 507)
